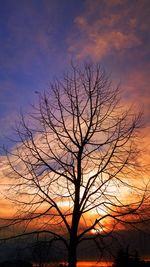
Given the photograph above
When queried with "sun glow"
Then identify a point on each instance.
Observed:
(97, 231)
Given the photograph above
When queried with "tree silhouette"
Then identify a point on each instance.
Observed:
(76, 161)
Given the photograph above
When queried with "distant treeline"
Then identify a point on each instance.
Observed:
(126, 259)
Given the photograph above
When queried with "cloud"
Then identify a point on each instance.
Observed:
(99, 46)
(136, 84)
(108, 27)
(116, 33)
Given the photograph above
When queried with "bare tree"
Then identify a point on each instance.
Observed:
(76, 163)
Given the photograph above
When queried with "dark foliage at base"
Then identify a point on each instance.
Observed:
(15, 263)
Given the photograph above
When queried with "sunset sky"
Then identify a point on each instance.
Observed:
(39, 38)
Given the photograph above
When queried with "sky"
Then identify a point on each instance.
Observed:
(39, 38)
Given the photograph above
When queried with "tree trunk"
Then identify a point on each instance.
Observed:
(72, 254)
